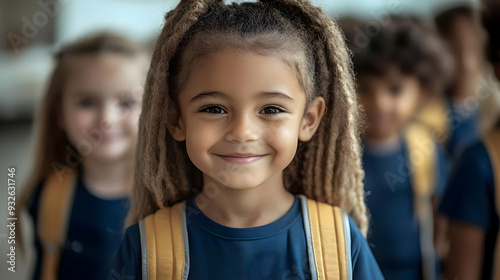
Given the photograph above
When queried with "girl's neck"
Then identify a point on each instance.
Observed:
(246, 208)
(108, 180)
(382, 144)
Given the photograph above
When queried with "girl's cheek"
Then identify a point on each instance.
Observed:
(132, 123)
(280, 133)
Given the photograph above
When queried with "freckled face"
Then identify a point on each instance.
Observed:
(241, 113)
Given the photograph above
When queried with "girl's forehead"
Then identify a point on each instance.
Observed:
(242, 72)
(104, 63)
(242, 60)
(104, 72)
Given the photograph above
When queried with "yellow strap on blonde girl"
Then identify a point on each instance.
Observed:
(55, 202)
(492, 143)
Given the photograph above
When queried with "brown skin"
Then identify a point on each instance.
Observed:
(441, 226)
(389, 103)
(466, 251)
(240, 119)
(466, 50)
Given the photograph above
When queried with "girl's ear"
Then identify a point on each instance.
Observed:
(178, 130)
(312, 118)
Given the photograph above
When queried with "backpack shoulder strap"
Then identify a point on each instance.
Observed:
(164, 244)
(492, 143)
(434, 115)
(422, 156)
(53, 218)
(328, 240)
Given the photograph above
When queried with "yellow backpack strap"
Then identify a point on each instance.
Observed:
(434, 115)
(328, 239)
(422, 158)
(53, 219)
(492, 143)
(164, 244)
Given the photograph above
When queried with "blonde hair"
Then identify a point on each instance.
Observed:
(327, 168)
(52, 145)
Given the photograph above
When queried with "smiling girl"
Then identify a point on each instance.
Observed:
(239, 160)
(87, 131)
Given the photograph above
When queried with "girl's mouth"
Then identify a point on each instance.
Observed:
(241, 158)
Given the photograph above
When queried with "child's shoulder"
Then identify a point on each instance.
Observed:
(477, 155)
(133, 236)
(468, 196)
(127, 260)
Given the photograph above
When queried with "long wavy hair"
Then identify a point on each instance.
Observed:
(327, 168)
(52, 144)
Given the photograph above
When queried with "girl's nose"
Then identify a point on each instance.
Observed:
(110, 115)
(242, 129)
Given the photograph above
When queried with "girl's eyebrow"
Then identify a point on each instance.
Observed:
(265, 94)
(213, 94)
(85, 93)
(277, 95)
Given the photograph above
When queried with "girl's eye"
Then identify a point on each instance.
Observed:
(272, 110)
(213, 110)
(395, 89)
(87, 103)
(128, 103)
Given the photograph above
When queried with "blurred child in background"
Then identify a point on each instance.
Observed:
(465, 97)
(398, 69)
(472, 200)
(83, 170)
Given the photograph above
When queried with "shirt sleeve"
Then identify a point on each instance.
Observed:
(364, 265)
(126, 263)
(469, 196)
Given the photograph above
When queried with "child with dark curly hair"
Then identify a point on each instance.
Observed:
(398, 69)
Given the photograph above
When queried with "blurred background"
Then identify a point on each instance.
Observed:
(32, 30)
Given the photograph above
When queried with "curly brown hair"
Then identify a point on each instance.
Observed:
(327, 168)
(413, 47)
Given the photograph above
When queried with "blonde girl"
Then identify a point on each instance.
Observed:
(87, 130)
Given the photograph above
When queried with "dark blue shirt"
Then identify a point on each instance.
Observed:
(273, 251)
(394, 231)
(464, 129)
(94, 233)
(470, 198)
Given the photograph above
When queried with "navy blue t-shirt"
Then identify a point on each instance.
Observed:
(394, 231)
(470, 198)
(273, 251)
(94, 234)
(464, 129)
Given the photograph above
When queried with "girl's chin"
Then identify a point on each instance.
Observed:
(109, 155)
